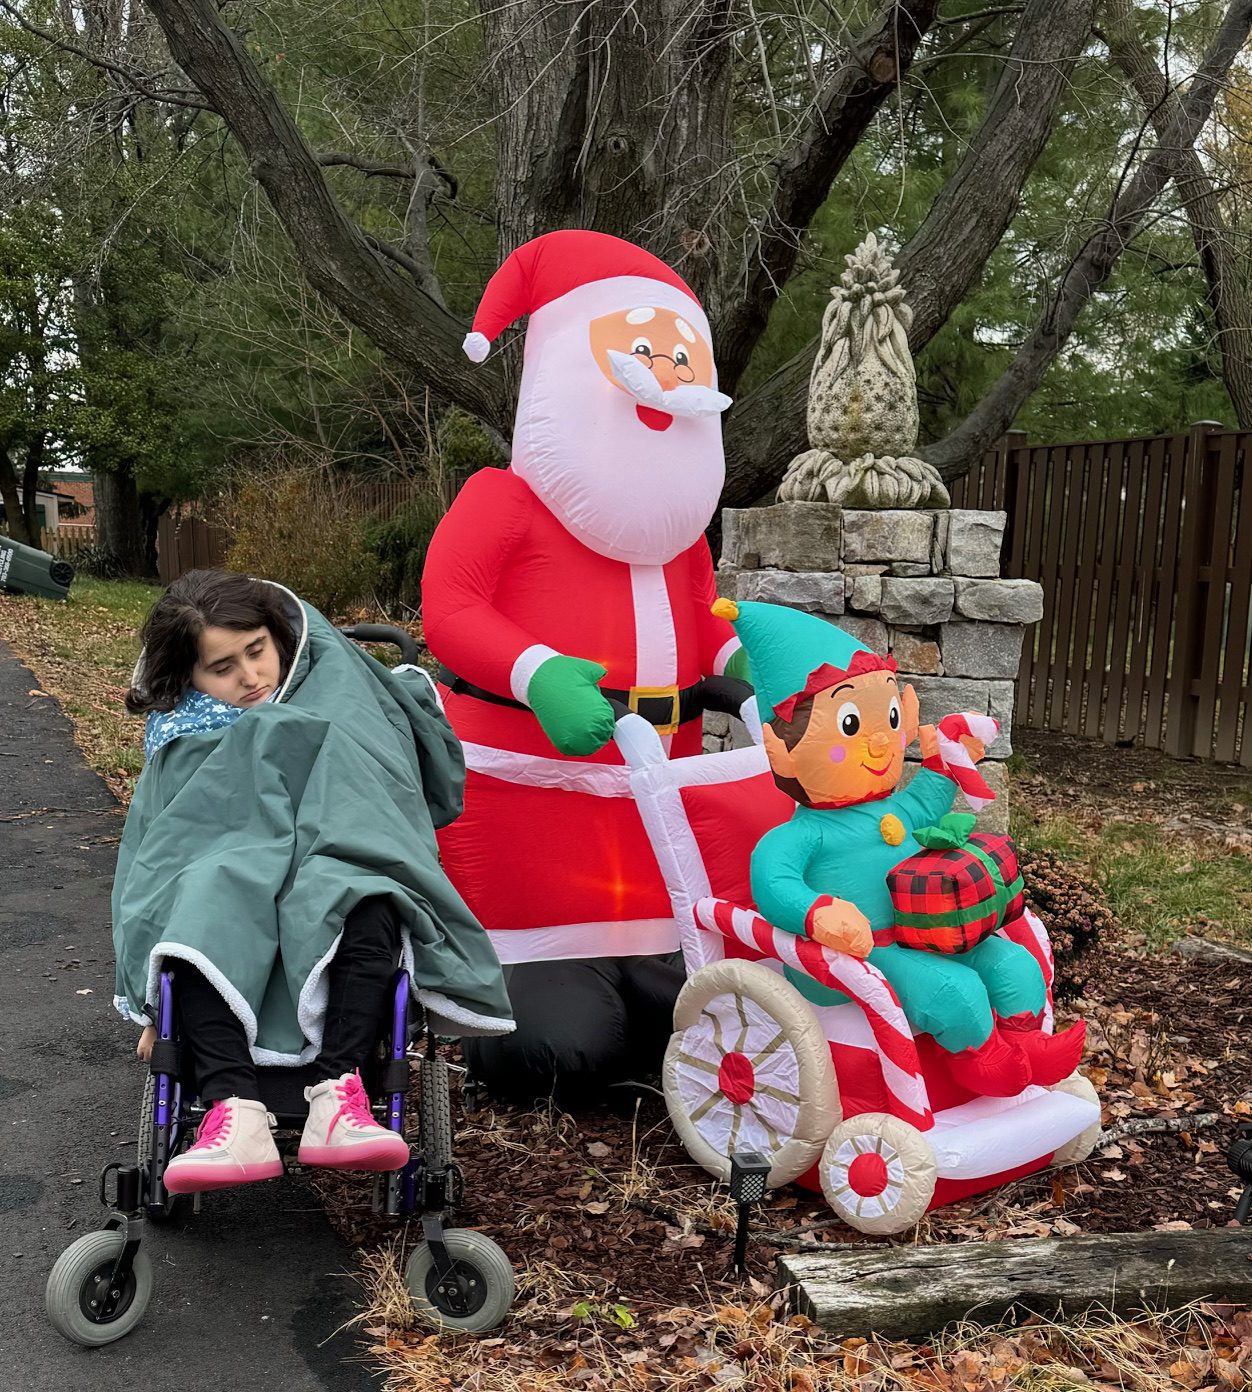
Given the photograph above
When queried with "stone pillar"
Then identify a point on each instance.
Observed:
(923, 586)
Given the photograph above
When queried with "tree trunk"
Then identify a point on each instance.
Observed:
(19, 519)
(1094, 263)
(124, 522)
(947, 253)
(974, 208)
(1232, 308)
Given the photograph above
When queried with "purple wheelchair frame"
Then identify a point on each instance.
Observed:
(169, 1120)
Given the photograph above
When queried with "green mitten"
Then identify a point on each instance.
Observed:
(568, 704)
(737, 666)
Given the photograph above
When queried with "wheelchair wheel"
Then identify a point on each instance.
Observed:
(878, 1173)
(78, 1279)
(1076, 1151)
(173, 1205)
(748, 1067)
(478, 1294)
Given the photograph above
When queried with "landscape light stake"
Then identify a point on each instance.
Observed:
(749, 1170)
(1239, 1158)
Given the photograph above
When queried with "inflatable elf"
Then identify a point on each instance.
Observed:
(579, 574)
(836, 725)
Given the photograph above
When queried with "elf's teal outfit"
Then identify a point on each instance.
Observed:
(842, 852)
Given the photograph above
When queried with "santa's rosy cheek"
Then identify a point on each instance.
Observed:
(904, 743)
(838, 754)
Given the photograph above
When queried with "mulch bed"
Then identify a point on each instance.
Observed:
(610, 1224)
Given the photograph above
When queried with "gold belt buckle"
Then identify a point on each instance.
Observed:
(664, 693)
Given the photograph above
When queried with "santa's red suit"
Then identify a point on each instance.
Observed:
(590, 546)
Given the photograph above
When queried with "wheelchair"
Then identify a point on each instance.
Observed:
(458, 1279)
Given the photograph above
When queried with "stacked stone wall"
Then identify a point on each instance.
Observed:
(922, 586)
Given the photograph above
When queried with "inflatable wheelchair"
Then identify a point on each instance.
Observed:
(845, 1098)
(458, 1279)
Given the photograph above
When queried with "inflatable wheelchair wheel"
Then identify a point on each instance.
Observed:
(173, 1205)
(1076, 1151)
(748, 1067)
(878, 1173)
(79, 1278)
(477, 1295)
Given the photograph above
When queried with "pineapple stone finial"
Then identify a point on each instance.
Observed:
(862, 415)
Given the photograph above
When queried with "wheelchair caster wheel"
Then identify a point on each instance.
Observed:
(78, 1280)
(475, 1296)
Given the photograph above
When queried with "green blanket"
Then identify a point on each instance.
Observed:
(246, 846)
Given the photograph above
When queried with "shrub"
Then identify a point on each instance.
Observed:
(298, 528)
(398, 548)
(1072, 909)
(98, 561)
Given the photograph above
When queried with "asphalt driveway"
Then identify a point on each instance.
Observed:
(248, 1294)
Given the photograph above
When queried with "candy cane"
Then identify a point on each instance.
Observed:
(858, 979)
(953, 759)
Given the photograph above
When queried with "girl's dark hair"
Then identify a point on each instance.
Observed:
(198, 600)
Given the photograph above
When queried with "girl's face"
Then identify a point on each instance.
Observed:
(240, 667)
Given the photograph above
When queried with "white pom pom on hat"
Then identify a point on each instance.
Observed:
(544, 269)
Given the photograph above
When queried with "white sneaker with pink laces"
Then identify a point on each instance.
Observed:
(233, 1145)
(341, 1133)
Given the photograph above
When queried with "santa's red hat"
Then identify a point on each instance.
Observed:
(550, 266)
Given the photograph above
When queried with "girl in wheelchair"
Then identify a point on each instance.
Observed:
(279, 856)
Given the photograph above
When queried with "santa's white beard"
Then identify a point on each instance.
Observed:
(627, 491)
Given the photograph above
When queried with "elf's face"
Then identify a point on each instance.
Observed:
(853, 748)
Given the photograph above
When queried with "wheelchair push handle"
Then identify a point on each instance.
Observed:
(410, 648)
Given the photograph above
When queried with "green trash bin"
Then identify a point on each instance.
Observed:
(27, 570)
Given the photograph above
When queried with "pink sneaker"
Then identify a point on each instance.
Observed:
(233, 1145)
(341, 1133)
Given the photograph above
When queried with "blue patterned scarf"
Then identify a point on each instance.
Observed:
(195, 714)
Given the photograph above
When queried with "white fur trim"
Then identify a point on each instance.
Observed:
(656, 645)
(476, 346)
(632, 937)
(463, 1020)
(612, 295)
(533, 770)
(422, 672)
(724, 654)
(527, 664)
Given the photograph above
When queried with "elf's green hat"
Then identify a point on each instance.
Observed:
(793, 654)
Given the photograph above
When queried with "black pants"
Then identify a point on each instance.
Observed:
(359, 979)
(581, 1027)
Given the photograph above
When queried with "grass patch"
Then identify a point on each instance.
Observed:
(83, 650)
(1158, 884)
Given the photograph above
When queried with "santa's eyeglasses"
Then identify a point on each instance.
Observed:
(682, 370)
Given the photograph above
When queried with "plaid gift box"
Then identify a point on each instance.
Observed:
(958, 890)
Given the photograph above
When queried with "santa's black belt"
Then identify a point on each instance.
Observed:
(666, 707)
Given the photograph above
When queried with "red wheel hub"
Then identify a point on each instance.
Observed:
(867, 1175)
(737, 1078)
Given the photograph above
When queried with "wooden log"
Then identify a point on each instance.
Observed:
(911, 1292)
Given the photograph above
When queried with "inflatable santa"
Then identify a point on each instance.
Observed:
(578, 575)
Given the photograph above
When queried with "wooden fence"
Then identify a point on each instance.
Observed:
(1144, 551)
(189, 543)
(68, 540)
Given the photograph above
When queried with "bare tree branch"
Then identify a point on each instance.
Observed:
(948, 252)
(401, 316)
(1094, 263)
(976, 205)
(850, 97)
(1231, 306)
(136, 81)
